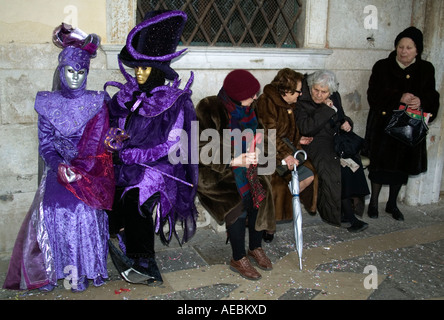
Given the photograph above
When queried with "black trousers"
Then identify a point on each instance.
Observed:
(138, 226)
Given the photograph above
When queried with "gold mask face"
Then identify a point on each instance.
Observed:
(74, 78)
(142, 74)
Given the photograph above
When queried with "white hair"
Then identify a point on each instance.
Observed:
(324, 78)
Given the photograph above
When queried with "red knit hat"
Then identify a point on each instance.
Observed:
(241, 85)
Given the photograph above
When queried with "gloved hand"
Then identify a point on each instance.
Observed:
(67, 175)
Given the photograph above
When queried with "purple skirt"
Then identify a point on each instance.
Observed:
(60, 238)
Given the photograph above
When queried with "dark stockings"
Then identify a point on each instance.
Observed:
(393, 194)
(376, 189)
(236, 233)
(347, 210)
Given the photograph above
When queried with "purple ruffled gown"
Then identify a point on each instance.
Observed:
(63, 237)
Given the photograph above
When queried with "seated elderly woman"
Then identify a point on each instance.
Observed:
(319, 114)
(275, 109)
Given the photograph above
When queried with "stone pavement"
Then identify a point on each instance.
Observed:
(391, 260)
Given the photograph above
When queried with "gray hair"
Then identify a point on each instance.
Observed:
(324, 78)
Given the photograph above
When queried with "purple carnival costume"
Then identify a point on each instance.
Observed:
(65, 233)
(153, 115)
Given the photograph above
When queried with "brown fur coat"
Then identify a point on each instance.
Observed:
(275, 113)
(217, 190)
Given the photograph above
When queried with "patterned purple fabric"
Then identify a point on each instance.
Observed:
(62, 236)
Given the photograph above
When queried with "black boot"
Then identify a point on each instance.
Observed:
(396, 214)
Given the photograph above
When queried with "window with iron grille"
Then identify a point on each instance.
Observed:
(233, 23)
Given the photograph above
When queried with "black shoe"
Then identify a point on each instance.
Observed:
(357, 226)
(268, 237)
(149, 268)
(345, 223)
(396, 214)
(372, 212)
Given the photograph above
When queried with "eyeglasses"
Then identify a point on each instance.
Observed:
(292, 92)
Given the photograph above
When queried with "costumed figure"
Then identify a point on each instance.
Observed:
(149, 114)
(65, 233)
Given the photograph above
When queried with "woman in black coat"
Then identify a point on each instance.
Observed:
(319, 114)
(402, 78)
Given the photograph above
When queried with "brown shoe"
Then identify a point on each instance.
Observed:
(244, 267)
(261, 258)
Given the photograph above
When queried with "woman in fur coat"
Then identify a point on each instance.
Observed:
(275, 109)
(224, 188)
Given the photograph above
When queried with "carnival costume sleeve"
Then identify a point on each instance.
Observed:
(47, 149)
(94, 164)
(139, 156)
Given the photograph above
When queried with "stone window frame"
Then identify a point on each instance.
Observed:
(121, 18)
(234, 23)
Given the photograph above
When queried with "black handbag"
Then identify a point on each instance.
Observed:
(407, 129)
(348, 144)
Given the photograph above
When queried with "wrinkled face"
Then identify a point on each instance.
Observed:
(291, 97)
(74, 78)
(319, 93)
(406, 51)
(142, 74)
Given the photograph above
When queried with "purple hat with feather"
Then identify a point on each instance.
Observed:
(78, 47)
(153, 42)
(78, 50)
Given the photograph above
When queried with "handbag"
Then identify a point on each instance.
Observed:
(406, 128)
(347, 144)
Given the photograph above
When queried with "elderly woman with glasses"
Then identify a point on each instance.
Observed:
(275, 109)
(319, 114)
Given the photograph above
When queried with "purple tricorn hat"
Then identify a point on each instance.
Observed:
(153, 42)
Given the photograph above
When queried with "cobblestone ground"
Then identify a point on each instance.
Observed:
(391, 260)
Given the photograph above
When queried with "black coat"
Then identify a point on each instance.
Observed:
(387, 84)
(321, 122)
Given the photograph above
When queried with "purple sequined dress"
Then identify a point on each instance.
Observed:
(65, 233)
